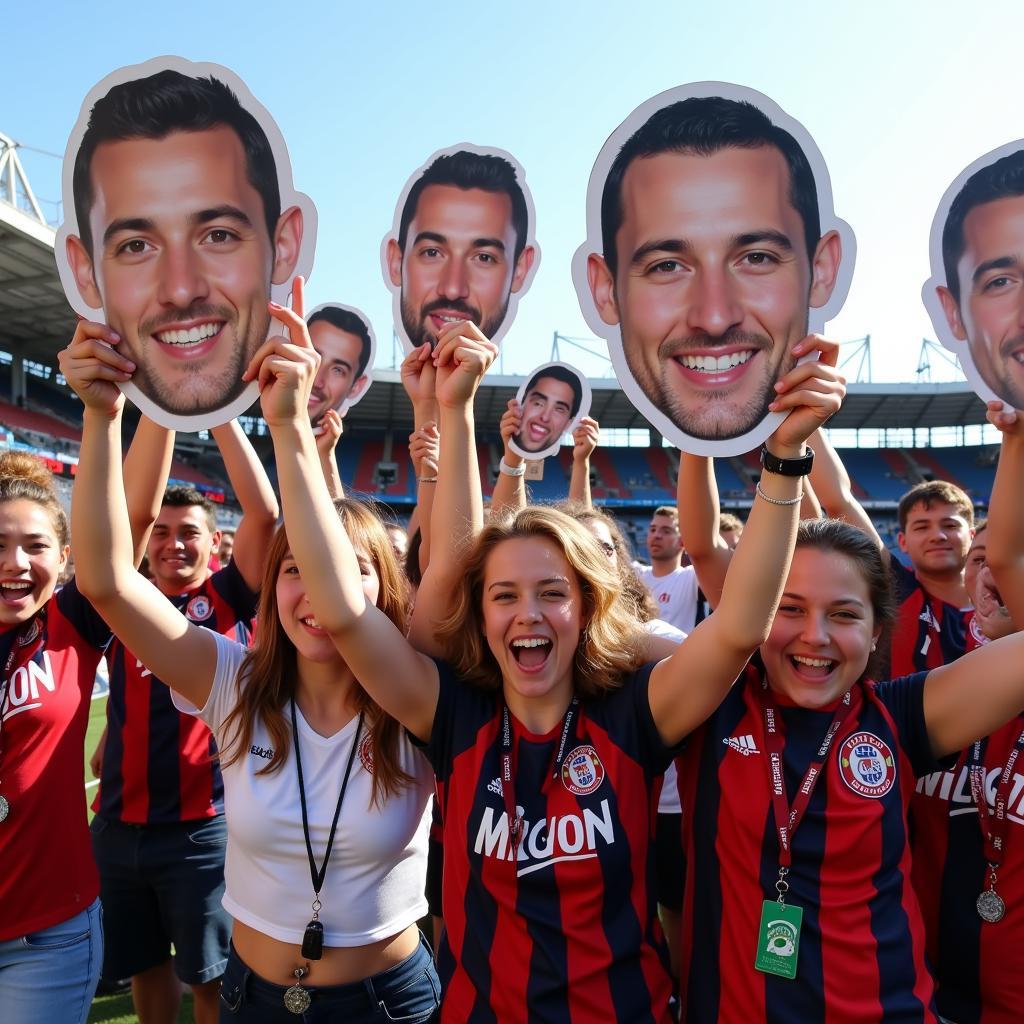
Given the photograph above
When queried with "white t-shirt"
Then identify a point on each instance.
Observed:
(675, 595)
(668, 800)
(375, 880)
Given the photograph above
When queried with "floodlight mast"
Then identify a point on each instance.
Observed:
(15, 189)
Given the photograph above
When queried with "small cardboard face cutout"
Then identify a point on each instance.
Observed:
(553, 399)
(452, 250)
(346, 344)
(710, 280)
(975, 290)
(176, 252)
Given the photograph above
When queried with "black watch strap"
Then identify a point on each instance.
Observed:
(787, 467)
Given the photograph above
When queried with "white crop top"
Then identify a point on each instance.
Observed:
(375, 880)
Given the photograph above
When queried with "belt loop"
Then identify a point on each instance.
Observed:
(371, 993)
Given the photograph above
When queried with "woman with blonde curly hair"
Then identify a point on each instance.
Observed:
(545, 731)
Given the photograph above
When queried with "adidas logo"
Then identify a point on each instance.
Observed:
(494, 786)
(744, 745)
(927, 615)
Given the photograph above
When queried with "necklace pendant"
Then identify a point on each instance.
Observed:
(5, 808)
(296, 999)
(991, 908)
(313, 941)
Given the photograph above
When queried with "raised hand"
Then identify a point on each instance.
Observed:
(418, 376)
(584, 438)
(93, 368)
(811, 393)
(511, 424)
(285, 367)
(425, 450)
(328, 433)
(462, 357)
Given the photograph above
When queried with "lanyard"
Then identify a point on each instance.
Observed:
(993, 826)
(787, 818)
(508, 784)
(312, 943)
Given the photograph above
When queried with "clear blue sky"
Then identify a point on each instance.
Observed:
(900, 97)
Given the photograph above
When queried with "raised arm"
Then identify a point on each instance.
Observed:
(256, 496)
(1005, 541)
(183, 655)
(402, 681)
(834, 490)
(697, 502)
(327, 436)
(462, 357)
(584, 441)
(509, 493)
(425, 452)
(147, 467)
(974, 695)
(688, 686)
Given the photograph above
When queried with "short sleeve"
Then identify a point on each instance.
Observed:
(228, 582)
(81, 614)
(652, 752)
(224, 692)
(903, 579)
(904, 700)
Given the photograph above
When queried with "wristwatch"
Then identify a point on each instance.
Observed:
(787, 467)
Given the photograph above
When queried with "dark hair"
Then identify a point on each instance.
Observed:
(566, 377)
(412, 558)
(834, 535)
(345, 320)
(182, 496)
(467, 170)
(702, 126)
(153, 108)
(933, 492)
(1002, 180)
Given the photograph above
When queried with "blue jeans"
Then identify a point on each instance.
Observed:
(51, 975)
(408, 992)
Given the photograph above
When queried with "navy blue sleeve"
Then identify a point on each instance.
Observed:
(81, 614)
(904, 700)
(229, 583)
(640, 738)
(903, 579)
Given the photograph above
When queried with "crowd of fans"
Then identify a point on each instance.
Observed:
(769, 776)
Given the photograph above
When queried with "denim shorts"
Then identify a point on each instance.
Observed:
(162, 885)
(408, 992)
(51, 975)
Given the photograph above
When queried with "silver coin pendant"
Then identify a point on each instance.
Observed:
(5, 808)
(991, 907)
(296, 999)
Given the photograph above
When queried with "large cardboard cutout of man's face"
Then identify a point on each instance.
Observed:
(975, 295)
(553, 399)
(712, 248)
(345, 342)
(181, 224)
(462, 244)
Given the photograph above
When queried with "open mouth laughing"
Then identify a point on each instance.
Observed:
(531, 652)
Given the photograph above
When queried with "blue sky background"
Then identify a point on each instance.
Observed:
(900, 97)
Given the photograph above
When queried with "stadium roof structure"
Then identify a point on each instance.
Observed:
(867, 406)
(35, 318)
(36, 322)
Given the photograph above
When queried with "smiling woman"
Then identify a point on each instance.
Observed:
(51, 642)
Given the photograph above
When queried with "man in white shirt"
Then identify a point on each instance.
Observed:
(673, 585)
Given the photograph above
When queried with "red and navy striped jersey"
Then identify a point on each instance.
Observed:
(567, 930)
(928, 632)
(48, 873)
(159, 764)
(861, 958)
(979, 967)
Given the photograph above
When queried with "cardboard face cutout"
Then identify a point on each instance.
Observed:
(462, 245)
(181, 223)
(343, 337)
(553, 398)
(702, 265)
(975, 292)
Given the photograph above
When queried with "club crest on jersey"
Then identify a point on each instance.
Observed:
(366, 753)
(199, 608)
(582, 771)
(867, 765)
(976, 634)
